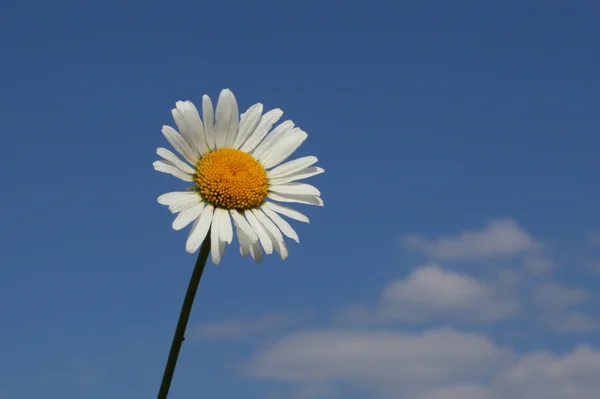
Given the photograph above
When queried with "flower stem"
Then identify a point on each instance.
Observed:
(184, 316)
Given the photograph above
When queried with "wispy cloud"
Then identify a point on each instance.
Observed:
(557, 297)
(378, 353)
(557, 303)
(574, 322)
(460, 391)
(431, 292)
(499, 238)
(537, 263)
(315, 390)
(375, 356)
(242, 328)
(435, 364)
(440, 363)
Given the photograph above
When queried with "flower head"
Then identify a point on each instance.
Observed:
(235, 165)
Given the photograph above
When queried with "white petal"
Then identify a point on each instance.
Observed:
(248, 247)
(199, 230)
(295, 188)
(214, 239)
(222, 242)
(284, 148)
(267, 223)
(291, 167)
(302, 174)
(226, 119)
(232, 131)
(272, 138)
(179, 144)
(301, 199)
(242, 223)
(256, 252)
(282, 224)
(185, 203)
(193, 119)
(208, 114)
(273, 232)
(243, 239)
(217, 245)
(279, 245)
(287, 211)
(167, 167)
(265, 124)
(188, 216)
(225, 230)
(174, 159)
(185, 129)
(175, 197)
(248, 122)
(260, 232)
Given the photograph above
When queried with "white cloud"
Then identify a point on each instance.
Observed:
(356, 316)
(236, 329)
(374, 359)
(538, 264)
(557, 302)
(543, 375)
(463, 391)
(557, 297)
(431, 365)
(574, 322)
(431, 292)
(445, 363)
(315, 390)
(499, 238)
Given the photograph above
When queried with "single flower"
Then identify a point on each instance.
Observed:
(236, 167)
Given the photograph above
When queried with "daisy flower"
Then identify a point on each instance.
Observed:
(235, 164)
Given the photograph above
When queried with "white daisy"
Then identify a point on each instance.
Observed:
(235, 164)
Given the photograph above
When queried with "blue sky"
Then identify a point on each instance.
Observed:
(457, 255)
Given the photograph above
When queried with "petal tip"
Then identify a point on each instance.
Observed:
(228, 93)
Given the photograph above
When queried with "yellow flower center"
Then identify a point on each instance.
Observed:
(231, 179)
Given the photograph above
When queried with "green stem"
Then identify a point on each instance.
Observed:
(184, 316)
